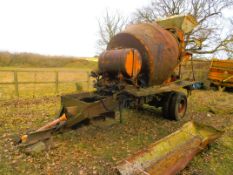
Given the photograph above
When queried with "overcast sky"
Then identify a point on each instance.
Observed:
(57, 27)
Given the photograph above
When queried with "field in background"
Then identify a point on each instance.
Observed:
(28, 82)
(31, 75)
(29, 60)
(73, 75)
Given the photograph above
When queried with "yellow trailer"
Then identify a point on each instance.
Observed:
(221, 73)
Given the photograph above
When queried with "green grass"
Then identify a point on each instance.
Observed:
(96, 149)
(79, 78)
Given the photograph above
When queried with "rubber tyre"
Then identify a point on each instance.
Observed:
(178, 106)
(166, 105)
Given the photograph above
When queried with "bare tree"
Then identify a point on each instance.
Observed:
(109, 25)
(209, 17)
(229, 46)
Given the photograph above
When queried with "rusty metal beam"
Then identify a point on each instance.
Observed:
(171, 154)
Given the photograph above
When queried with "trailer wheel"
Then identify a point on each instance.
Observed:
(178, 106)
(166, 105)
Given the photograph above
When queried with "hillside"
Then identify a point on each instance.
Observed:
(35, 60)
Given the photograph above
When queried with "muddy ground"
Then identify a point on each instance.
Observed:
(95, 149)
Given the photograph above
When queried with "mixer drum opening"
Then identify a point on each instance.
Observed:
(125, 61)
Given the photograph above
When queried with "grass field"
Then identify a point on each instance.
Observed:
(22, 62)
(95, 149)
(30, 60)
(72, 80)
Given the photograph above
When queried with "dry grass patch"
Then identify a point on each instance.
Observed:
(97, 149)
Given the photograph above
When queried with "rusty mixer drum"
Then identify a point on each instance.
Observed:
(159, 49)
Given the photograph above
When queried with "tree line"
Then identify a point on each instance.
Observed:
(36, 60)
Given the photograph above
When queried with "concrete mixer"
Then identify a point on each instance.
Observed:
(140, 61)
(136, 69)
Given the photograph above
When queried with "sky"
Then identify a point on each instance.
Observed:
(56, 27)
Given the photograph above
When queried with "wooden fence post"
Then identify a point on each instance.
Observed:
(34, 84)
(56, 82)
(88, 81)
(16, 84)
